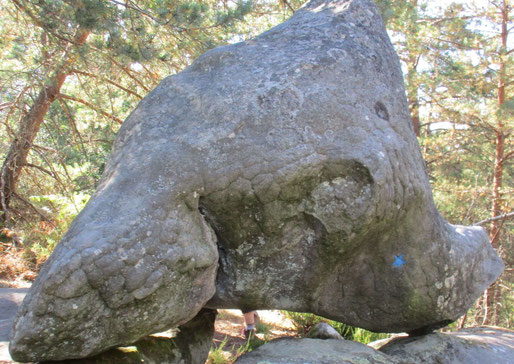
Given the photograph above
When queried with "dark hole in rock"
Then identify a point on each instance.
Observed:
(381, 110)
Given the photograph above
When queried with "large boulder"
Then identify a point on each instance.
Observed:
(293, 157)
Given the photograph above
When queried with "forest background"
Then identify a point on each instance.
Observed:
(72, 70)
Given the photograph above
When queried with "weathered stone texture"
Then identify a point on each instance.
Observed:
(190, 345)
(478, 345)
(324, 331)
(471, 346)
(315, 351)
(292, 156)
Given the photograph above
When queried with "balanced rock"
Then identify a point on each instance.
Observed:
(293, 157)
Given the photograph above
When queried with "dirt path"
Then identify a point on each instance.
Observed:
(10, 299)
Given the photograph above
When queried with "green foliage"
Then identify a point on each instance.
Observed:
(386, 8)
(131, 47)
(454, 62)
(238, 13)
(264, 329)
(43, 239)
(251, 344)
(219, 356)
(303, 322)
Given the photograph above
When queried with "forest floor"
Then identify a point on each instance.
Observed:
(15, 269)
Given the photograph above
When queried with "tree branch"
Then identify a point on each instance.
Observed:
(462, 46)
(43, 216)
(40, 168)
(108, 81)
(286, 3)
(505, 216)
(41, 25)
(136, 8)
(127, 71)
(11, 111)
(91, 106)
(507, 156)
(440, 20)
(75, 130)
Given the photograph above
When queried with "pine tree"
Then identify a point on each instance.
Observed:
(71, 61)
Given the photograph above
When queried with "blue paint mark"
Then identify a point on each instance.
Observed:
(399, 261)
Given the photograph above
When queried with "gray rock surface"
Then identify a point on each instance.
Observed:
(324, 331)
(190, 346)
(315, 351)
(292, 156)
(482, 345)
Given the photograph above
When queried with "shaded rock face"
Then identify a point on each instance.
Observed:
(470, 346)
(281, 172)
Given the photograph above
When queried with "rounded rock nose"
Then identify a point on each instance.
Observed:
(46, 333)
(54, 316)
(19, 347)
(25, 338)
(94, 294)
(474, 242)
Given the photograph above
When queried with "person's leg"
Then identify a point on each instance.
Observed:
(249, 320)
(249, 329)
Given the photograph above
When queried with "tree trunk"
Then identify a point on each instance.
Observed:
(16, 158)
(492, 294)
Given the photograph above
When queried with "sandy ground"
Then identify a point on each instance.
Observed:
(228, 327)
